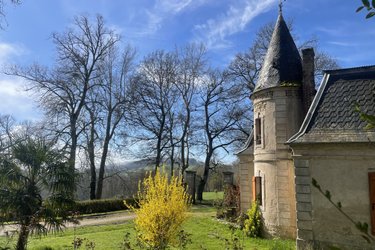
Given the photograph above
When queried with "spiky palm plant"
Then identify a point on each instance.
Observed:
(34, 166)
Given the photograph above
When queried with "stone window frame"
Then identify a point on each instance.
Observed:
(262, 206)
(259, 131)
(263, 184)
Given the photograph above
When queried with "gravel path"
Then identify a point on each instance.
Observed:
(113, 218)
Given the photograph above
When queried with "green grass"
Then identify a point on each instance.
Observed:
(211, 196)
(206, 233)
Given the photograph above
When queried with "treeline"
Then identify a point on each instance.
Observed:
(123, 183)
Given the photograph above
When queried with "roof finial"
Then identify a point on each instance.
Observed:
(281, 6)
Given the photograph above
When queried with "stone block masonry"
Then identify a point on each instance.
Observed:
(304, 206)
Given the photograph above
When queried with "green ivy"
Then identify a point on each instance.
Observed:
(362, 227)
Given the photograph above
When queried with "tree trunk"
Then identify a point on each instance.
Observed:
(209, 153)
(172, 159)
(158, 152)
(91, 153)
(22, 238)
(184, 142)
(172, 144)
(92, 182)
(73, 148)
(203, 180)
(200, 189)
(103, 160)
(72, 155)
(159, 148)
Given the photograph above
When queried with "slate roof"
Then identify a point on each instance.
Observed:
(282, 63)
(332, 116)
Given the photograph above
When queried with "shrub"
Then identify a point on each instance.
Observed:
(162, 209)
(253, 225)
(33, 165)
(103, 206)
(241, 220)
(229, 207)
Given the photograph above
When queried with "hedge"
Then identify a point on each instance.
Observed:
(103, 206)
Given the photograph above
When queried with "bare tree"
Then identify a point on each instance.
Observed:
(191, 68)
(7, 124)
(153, 98)
(222, 113)
(172, 128)
(106, 109)
(2, 10)
(62, 91)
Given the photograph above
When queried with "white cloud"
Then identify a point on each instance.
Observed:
(163, 9)
(174, 6)
(153, 23)
(12, 88)
(16, 101)
(239, 14)
(8, 51)
(343, 44)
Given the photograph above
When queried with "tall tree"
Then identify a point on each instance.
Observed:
(191, 67)
(152, 101)
(63, 90)
(106, 109)
(166, 90)
(223, 116)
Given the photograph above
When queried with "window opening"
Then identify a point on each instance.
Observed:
(257, 189)
(258, 131)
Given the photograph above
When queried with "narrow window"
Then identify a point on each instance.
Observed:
(257, 189)
(258, 131)
(372, 200)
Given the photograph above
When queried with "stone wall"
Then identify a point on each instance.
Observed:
(246, 173)
(343, 170)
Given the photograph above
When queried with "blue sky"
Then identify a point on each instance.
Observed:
(225, 26)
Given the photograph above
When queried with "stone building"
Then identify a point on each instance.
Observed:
(300, 135)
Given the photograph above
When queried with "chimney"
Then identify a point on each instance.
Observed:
(308, 83)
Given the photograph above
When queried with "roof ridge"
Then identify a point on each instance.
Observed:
(350, 70)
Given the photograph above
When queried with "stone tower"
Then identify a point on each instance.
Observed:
(278, 114)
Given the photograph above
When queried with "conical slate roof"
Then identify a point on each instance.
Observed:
(282, 64)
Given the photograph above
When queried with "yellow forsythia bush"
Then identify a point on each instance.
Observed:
(162, 209)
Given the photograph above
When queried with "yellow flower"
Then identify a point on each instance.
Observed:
(163, 204)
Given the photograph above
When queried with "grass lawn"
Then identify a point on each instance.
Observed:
(206, 233)
(211, 196)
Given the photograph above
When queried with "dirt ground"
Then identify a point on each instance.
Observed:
(90, 220)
